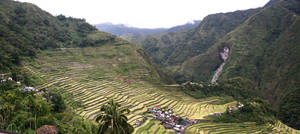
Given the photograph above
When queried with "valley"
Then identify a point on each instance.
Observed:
(84, 79)
(235, 72)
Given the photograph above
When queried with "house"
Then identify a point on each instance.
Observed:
(138, 122)
(168, 126)
(234, 109)
(10, 79)
(29, 89)
(241, 105)
(157, 107)
(217, 113)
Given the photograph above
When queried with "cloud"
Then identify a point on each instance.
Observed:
(143, 13)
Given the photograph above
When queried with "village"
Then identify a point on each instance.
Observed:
(23, 88)
(166, 116)
(171, 121)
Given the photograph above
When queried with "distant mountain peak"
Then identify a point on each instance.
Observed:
(125, 29)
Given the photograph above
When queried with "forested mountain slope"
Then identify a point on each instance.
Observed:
(26, 29)
(172, 49)
(264, 49)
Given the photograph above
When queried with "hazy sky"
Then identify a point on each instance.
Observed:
(143, 13)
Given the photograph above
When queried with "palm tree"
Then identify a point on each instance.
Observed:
(112, 119)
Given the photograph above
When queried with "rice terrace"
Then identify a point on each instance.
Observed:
(88, 80)
(149, 67)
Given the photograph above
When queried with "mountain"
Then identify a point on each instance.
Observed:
(26, 29)
(186, 26)
(57, 72)
(263, 49)
(258, 44)
(45, 58)
(131, 33)
(121, 29)
(172, 49)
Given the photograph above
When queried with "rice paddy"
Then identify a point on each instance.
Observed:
(91, 80)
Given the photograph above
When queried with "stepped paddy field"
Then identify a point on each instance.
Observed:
(89, 77)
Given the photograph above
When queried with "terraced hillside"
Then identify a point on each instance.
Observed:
(90, 77)
(240, 128)
(93, 82)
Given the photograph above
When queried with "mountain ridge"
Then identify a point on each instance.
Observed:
(133, 33)
(170, 50)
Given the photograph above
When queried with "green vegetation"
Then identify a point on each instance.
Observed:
(77, 69)
(25, 29)
(172, 49)
(289, 108)
(112, 119)
(132, 91)
(229, 128)
(24, 112)
(254, 110)
(238, 88)
(263, 49)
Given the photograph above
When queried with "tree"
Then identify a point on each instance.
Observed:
(8, 104)
(38, 107)
(112, 119)
(57, 101)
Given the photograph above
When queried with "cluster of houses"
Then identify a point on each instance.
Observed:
(189, 83)
(169, 120)
(23, 88)
(28, 89)
(231, 109)
(34, 90)
(3, 79)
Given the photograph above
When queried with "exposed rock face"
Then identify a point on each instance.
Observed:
(224, 55)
